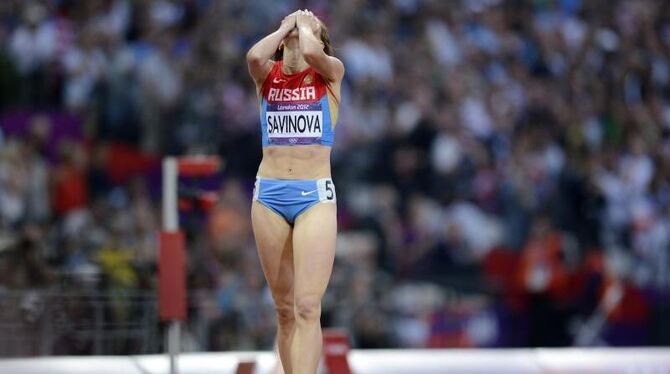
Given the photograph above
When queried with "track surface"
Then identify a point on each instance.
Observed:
(453, 361)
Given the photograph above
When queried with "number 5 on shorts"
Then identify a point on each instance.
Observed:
(326, 190)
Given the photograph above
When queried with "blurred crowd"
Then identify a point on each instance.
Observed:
(503, 166)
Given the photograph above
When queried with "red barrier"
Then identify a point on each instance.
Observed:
(198, 166)
(245, 367)
(172, 276)
(335, 350)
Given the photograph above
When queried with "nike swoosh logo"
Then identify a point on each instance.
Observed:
(278, 80)
(305, 193)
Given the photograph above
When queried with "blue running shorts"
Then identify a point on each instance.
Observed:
(289, 198)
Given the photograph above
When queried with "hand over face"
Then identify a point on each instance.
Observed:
(305, 18)
(289, 22)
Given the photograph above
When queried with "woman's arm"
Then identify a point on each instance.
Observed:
(312, 48)
(258, 57)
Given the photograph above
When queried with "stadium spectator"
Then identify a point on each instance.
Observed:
(471, 132)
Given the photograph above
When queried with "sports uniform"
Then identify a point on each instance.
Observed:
(296, 110)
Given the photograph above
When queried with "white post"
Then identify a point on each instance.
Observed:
(171, 224)
(170, 214)
(174, 340)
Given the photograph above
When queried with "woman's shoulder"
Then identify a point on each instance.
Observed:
(274, 69)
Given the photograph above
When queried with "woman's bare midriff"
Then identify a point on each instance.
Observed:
(295, 162)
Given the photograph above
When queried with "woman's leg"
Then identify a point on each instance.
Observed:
(314, 234)
(273, 240)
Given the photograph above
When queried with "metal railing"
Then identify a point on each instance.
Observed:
(42, 322)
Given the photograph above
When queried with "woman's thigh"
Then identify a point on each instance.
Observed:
(274, 244)
(314, 235)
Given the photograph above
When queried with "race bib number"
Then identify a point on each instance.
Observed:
(294, 123)
(326, 190)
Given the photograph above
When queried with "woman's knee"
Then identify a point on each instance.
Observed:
(307, 309)
(285, 313)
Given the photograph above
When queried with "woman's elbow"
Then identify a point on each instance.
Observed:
(254, 58)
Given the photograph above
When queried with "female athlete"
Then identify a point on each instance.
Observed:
(294, 213)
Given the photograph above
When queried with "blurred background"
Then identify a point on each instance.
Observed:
(502, 166)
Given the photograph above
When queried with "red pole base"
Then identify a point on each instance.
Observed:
(172, 276)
